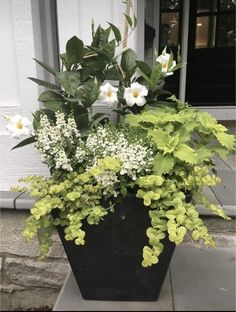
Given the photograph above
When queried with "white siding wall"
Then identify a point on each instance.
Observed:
(20, 42)
(18, 94)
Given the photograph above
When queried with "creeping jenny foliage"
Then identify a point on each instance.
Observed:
(174, 142)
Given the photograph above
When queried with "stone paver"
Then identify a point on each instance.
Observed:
(70, 299)
(203, 279)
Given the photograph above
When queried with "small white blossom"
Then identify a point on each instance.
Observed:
(53, 139)
(18, 126)
(135, 94)
(135, 157)
(164, 59)
(108, 94)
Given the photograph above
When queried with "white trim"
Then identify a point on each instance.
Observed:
(219, 112)
(184, 49)
(139, 10)
(156, 23)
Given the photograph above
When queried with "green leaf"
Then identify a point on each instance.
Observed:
(163, 140)
(144, 67)
(220, 151)
(74, 51)
(129, 20)
(70, 81)
(47, 67)
(204, 153)
(227, 140)
(146, 78)
(155, 75)
(116, 32)
(82, 121)
(51, 100)
(45, 84)
(163, 164)
(135, 21)
(25, 142)
(186, 153)
(128, 62)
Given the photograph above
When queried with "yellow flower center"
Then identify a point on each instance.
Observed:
(109, 93)
(164, 65)
(19, 125)
(135, 93)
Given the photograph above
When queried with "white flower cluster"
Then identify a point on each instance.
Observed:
(136, 157)
(53, 140)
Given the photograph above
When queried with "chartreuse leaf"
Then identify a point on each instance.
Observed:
(186, 153)
(163, 163)
(227, 140)
(163, 140)
(204, 153)
(220, 151)
(160, 138)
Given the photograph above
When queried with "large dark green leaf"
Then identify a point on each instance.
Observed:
(51, 100)
(25, 142)
(70, 81)
(116, 32)
(144, 67)
(45, 84)
(74, 51)
(47, 67)
(82, 120)
(128, 62)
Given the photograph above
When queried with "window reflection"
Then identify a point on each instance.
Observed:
(205, 31)
(169, 32)
(226, 31)
(227, 5)
(169, 5)
(206, 6)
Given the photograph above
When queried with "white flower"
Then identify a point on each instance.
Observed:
(135, 94)
(108, 94)
(164, 59)
(18, 126)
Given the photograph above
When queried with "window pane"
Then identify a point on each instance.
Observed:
(226, 30)
(169, 30)
(206, 6)
(169, 5)
(205, 32)
(227, 5)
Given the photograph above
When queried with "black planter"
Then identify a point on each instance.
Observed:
(108, 266)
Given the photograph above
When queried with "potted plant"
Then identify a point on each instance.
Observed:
(122, 190)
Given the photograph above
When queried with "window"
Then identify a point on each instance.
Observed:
(170, 24)
(215, 24)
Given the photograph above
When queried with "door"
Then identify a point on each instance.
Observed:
(211, 53)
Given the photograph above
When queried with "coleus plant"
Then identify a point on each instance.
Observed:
(160, 151)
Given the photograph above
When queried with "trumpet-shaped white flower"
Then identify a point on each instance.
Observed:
(108, 94)
(18, 126)
(164, 59)
(135, 94)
